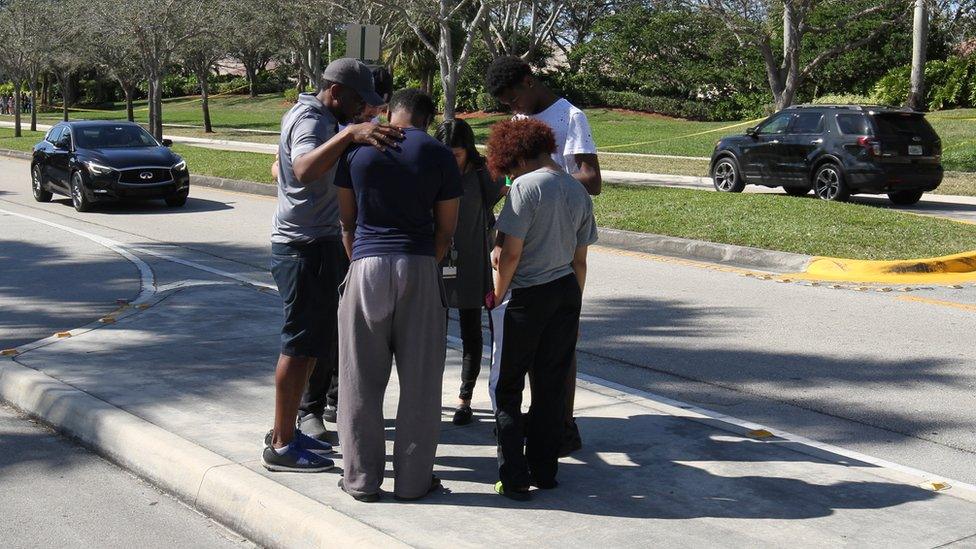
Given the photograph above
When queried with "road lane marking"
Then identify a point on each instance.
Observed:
(938, 302)
(147, 284)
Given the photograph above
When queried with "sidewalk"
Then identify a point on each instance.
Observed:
(192, 375)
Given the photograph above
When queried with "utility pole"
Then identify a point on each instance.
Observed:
(920, 31)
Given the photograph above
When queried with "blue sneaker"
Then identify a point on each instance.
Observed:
(295, 460)
(305, 442)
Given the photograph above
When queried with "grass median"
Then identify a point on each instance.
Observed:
(783, 223)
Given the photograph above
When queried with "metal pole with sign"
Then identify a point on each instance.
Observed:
(363, 42)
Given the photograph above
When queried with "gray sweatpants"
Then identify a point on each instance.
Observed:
(391, 306)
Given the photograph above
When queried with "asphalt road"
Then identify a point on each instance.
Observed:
(57, 494)
(889, 374)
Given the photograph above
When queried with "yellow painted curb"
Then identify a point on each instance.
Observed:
(935, 270)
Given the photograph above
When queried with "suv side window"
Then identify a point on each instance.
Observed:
(66, 137)
(808, 122)
(54, 134)
(853, 124)
(776, 124)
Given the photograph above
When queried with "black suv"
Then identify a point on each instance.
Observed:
(836, 150)
(94, 161)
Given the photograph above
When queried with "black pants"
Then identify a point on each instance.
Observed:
(471, 345)
(534, 331)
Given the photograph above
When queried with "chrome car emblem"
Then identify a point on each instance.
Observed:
(145, 175)
(916, 138)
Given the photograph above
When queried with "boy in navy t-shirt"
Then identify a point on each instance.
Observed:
(398, 209)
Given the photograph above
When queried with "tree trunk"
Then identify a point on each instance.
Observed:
(152, 106)
(65, 96)
(916, 99)
(18, 89)
(46, 90)
(205, 102)
(158, 101)
(129, 92)
(251, 73)
(33, 90)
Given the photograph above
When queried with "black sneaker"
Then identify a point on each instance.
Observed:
(364, 498)
(571, 440)
(305, 442)
(329, 414)
(295, 460)
(312, 425)
(517, 494)
(463, 415)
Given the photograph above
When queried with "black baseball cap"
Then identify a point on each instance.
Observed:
(354, 75)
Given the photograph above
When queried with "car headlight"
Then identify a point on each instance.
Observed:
(181, 166)
(98, 169)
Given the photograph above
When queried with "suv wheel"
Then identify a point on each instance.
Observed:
(725, 176)
(79, 199)
(905, 198)
(37, 185)
(796, 191)
(828, 184)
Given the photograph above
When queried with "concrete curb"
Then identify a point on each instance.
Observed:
(259, 508)
(705, 251)
(236, 185)
(20, 155)
(656, 180)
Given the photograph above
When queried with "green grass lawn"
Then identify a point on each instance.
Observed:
(641, 133)
(780, 222)
(957, 128)
(25, 143)
(244, 166)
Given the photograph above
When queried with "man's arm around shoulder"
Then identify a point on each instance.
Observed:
(311, 166)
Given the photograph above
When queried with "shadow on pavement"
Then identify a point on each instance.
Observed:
(674, 338)
(129, 207)
(44, 288)
(657, 466)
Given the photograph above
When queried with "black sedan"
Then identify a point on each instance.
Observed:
(94, 161)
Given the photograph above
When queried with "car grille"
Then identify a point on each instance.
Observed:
(145, 176)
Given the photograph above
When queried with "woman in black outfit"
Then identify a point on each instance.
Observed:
(472, 241)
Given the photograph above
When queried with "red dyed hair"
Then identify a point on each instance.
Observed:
(512, 141)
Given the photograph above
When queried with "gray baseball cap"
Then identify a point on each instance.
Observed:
(355, 75)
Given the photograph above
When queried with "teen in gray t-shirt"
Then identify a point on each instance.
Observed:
(552, 213)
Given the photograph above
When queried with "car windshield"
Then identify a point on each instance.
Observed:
(111, 136)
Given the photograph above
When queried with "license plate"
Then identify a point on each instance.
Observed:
(915, 150)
